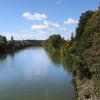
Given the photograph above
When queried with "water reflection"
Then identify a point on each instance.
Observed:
(58, 59)
(2, 58)
(54, 56)
(12, 55)
(34, 74)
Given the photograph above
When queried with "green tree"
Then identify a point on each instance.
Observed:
(55, 41)
(82, 23)
(12, 39)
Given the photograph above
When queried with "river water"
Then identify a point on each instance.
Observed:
(31, 74)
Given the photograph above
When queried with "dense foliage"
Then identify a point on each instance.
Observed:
(83, 54)
(87, 49)
(54, 42)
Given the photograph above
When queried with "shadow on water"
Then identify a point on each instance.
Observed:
(11, 54)
(59, 60)
(2, 57)
(54, 56)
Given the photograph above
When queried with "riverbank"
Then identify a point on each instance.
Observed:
(86, 90)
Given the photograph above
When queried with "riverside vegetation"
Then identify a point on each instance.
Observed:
(81, 53)
(13, 45)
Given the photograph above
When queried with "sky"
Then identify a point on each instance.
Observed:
(38, 19)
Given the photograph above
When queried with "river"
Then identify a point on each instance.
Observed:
(31, 74)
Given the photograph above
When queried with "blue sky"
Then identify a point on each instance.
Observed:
(37, 19)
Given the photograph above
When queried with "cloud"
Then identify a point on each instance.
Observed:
(58, 1)
(38, 27)
(46, 25)
(71, 21)
(35, 16)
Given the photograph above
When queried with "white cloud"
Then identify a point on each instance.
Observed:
(70, 21)
(45, 25)
(35, 16)
(38, 27)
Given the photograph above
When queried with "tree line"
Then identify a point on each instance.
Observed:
(13, 45)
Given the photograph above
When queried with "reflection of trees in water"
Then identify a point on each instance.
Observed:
(2, 57)
(56, 58)
(12, 55)
(67, 65)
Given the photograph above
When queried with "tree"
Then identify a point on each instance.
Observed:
(55, 41)
(72, 37)
(79, 37)
(3, 39)
(82, 23)
(12, 39)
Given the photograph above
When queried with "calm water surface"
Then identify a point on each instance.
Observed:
(31, 74)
